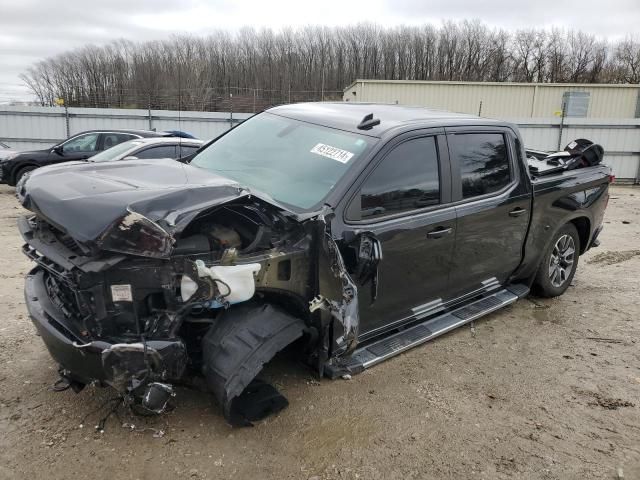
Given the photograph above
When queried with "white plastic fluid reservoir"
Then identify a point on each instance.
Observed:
(239, 278)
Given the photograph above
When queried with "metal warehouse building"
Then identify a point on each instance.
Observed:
(605, 114)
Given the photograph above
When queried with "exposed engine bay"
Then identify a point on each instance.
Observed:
(219, 297)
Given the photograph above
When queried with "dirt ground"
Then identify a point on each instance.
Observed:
(545, 389)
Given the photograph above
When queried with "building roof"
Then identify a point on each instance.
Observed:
(504, 84)
(347, 116)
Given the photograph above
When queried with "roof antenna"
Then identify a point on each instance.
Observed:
(368, 122)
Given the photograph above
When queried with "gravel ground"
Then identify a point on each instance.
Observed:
(544, 389)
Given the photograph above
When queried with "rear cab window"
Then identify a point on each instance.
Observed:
(483, 160)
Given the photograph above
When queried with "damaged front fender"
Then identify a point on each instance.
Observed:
(248, 336)
(338, 294)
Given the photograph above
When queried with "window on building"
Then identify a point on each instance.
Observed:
(576, 104)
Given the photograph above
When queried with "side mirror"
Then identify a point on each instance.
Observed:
(58, 149)
(130, 157)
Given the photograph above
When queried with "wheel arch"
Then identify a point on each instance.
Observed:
(583, 225)
(20, 167)
(235, 349)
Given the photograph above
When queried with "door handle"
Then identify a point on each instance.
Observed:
(517, 212)
(439, 232)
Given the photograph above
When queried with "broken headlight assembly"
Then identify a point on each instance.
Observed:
(135, 234)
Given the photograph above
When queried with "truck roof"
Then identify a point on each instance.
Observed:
(347, 116)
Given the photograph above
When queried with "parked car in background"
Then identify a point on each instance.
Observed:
(5, 151)
(145, 148)
(82, 146)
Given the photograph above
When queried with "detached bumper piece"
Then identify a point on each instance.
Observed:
(137, 369)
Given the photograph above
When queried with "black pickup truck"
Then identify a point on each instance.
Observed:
(345, 233)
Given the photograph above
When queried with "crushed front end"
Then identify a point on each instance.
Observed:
(142, 288)
(139, 324)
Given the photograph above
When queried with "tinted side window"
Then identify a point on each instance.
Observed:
(165, 151)
(82, 143)
(187, 150)
(112, 139)
(406, 179)
(484, 163)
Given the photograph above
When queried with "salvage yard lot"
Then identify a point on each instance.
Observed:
(542, 389)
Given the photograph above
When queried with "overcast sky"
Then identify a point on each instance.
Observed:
(31, 30)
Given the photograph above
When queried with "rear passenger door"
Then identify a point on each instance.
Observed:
(402, 200)
(492, 207)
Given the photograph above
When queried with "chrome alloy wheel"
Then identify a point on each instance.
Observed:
(561, 261)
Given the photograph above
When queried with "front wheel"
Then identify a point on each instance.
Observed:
(23, 171)
(559, 263)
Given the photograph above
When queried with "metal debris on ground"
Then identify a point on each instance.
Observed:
(157, 433)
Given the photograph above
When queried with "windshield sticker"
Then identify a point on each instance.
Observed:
(333, 153)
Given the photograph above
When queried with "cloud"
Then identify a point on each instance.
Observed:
(620, 16)
(31, 30)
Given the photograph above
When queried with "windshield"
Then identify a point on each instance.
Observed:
(294, 162)
(114, 153)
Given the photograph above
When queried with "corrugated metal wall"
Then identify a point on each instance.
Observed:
(26, 128)
(611, 115)
(38, 127)
(498, 100)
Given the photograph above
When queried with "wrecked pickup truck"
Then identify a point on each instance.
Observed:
(345, 233)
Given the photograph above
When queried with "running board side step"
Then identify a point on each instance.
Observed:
(394, 344)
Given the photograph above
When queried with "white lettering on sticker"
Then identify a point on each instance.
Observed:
(121, 293)
(333, 153)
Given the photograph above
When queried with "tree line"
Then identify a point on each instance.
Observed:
(252, 68)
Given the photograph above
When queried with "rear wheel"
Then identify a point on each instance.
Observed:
(559, 263)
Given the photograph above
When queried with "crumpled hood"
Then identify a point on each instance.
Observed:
(88, 198)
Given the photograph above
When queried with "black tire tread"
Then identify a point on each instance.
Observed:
(542, 284)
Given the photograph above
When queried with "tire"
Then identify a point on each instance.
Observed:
(22, 171)
(559, 263)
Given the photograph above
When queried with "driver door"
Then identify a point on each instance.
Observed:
(402, 202)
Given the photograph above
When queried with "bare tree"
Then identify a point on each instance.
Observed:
(628, 56)
(266, 67)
